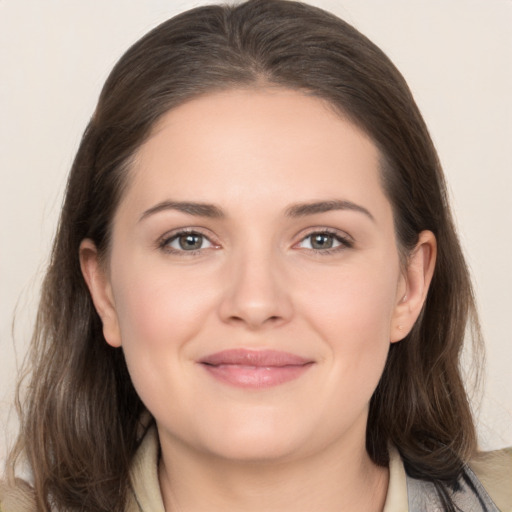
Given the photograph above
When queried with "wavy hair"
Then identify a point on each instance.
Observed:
(80, 414)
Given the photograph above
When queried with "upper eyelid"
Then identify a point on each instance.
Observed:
(173, 233)
(323, 229)
(344, 239)
(212, 238)
(169, 236)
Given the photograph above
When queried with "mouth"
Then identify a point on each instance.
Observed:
(255, 368)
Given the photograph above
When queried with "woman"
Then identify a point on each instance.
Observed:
(256, 299)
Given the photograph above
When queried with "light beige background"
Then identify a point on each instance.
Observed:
(455, 54)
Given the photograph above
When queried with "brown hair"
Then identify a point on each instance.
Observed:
(80, 417)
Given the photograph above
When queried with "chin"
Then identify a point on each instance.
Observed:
(255, 448)
(256, 436)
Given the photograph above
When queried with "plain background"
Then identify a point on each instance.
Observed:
(455, 54)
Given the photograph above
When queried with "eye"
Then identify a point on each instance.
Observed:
(186, 241)
(324, 241)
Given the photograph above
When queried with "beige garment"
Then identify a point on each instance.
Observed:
(494, 470)
(146, 495)
(16, 499)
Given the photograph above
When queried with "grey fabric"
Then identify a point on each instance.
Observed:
(469, 495)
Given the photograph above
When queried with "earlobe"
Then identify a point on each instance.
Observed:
(101, 291)
(416, 281)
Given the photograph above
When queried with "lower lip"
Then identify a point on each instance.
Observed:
(256, 377)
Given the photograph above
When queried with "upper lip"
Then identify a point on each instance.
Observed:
(244, 357)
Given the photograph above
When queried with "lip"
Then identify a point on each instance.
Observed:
(255, 368)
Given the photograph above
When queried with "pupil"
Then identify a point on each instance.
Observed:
(322, 241)
(190, 242)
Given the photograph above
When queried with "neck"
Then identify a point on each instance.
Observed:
(338, 479)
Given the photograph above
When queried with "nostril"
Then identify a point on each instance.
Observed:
(254, 321)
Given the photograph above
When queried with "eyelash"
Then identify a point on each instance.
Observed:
(345, 241)
(164, 242)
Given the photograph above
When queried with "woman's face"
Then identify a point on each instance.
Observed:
(254, 281)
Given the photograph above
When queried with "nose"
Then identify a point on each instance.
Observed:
(255, 293)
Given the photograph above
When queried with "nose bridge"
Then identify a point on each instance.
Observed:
(255, 292)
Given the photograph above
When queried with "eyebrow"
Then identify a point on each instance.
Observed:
(190, 208)
(296, 210)
(303, 209)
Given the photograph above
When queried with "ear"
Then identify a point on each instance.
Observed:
(100, 289)
(413, 287)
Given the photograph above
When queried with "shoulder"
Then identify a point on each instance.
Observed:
(17, 497)
(485, 484)
(494, 471)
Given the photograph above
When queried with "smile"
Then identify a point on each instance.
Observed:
(255, 368)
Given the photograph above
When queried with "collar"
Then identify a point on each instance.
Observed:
(145, 487)
(404, 494)
(146, 496)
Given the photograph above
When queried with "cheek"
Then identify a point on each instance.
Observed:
(356, 302)
(159, 311)
(157, 305)
(352, 310)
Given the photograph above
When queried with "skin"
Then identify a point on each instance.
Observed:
(257, 282)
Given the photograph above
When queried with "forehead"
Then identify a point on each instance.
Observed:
(255, 146)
